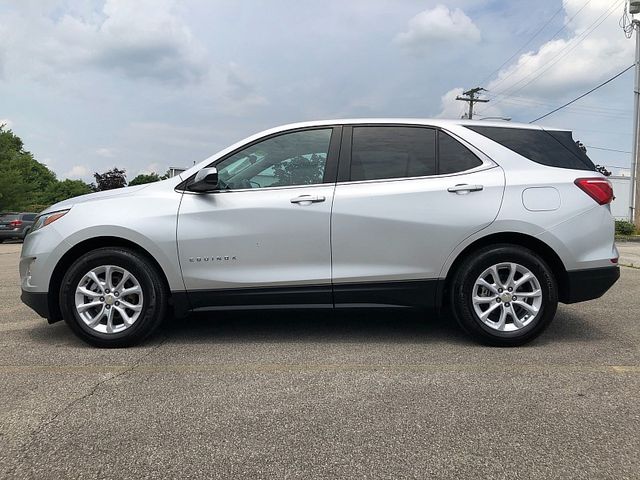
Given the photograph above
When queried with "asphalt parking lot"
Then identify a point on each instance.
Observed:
(322, 395)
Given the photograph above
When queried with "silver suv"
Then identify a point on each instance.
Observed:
(500, 222)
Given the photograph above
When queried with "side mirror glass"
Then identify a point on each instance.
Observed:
(206, 180)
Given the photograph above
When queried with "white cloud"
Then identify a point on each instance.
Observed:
(142, 39)
(435, 26)
(77, 171)
(563, 65)
(105, 152)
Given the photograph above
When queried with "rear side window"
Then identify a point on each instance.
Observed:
(392, 152)
(453, 156)
(552, 148)
(28, 217)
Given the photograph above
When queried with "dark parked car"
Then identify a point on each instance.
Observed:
(15, 225)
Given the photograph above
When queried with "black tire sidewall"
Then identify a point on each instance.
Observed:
(153, 305)
(469, 272)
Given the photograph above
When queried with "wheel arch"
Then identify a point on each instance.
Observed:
(518, 239)
(86, 246)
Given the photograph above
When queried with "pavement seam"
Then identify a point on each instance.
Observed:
(69, 405)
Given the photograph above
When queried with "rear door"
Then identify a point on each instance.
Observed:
(406, 196)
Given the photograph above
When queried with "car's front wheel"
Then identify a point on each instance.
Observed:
(504, 295)
(112, 297)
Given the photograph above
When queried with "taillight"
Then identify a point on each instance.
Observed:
(599, 189)
(15, 223)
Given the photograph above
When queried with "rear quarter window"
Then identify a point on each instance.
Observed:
(453, 156)
(551, 148)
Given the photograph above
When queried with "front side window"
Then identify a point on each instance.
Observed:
(295, 158)
(392, 152)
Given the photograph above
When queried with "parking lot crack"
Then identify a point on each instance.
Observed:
(69, 406)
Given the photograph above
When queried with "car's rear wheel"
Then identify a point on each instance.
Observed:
(504, 295)
(113, 297)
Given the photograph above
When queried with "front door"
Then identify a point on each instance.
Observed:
(264, 237)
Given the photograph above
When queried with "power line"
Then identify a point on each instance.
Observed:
(584, 94)
(527, 42)
(584, 35)
(572, 45)
(576, 109)
(616, 166)
(554, 36)
(607, 149)
(534, 102)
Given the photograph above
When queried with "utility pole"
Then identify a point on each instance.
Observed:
(471, 96)
(634, 192)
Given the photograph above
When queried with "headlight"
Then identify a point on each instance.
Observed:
(46, 219)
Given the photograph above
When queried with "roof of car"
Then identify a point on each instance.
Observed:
(440, 122)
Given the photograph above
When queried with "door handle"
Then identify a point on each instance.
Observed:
(464, 188)
(308, 199)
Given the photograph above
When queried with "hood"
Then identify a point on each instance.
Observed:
(90, 197)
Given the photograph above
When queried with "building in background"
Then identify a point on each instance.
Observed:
(173, 171)
(620, 205)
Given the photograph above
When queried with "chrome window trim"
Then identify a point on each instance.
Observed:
(487, 162)
(480, 168)
(260, 189)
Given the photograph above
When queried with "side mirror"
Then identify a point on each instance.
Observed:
(206, 180)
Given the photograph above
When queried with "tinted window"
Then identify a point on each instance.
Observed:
(454, 157)
(392, 152)
(28, 217)
(552, 148)
(296, 158)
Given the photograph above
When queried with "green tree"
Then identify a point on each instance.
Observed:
(63, 190)
(114, 178)
(144, 178)
(22, 177)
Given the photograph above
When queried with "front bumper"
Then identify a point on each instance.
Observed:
(589, 284)
(37, 301)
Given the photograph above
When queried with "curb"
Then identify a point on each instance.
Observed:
(633, 239)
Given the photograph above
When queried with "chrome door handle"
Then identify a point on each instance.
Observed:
(464, 188)
(308, 199)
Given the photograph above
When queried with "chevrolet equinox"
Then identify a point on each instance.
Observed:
(498, 222)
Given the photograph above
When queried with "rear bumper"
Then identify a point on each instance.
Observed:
(589, 284)
(11, 234)
(37, 301)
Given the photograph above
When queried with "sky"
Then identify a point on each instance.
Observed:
(148, 84)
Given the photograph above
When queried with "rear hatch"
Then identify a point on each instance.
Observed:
(553, 148)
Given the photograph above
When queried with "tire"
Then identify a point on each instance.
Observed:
(148, 307)
(470, 299)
